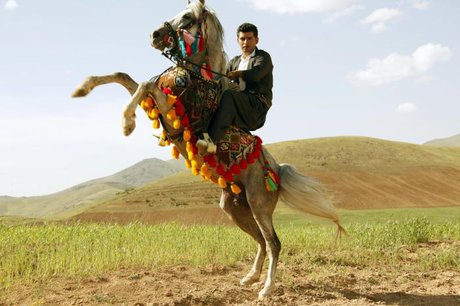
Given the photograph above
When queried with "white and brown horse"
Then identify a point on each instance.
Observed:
(255, 204)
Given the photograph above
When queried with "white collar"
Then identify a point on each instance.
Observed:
(250, 55)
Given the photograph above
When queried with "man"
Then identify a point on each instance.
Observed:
(247, 103)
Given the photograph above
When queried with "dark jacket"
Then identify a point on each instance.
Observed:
(259, 76)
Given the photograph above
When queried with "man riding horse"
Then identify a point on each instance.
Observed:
(196, 35)
(246, 104)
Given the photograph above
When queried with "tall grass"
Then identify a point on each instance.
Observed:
(34, 253)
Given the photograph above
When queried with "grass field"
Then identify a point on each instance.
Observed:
(32, 253)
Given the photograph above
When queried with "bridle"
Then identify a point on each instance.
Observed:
(175, 53)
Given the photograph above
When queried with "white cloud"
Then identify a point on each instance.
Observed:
(379, 18)
(11, 4)
(421, 4)
(300, 6)
(346, 12)
(396, 67)
(406, 108)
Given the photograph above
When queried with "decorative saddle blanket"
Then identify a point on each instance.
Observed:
(202, 96)
(235, 151)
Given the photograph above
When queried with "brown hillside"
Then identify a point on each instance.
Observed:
(360, 173)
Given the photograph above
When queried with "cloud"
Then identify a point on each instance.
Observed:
(346, 12)
(396, 67)
(300, 6)
(379, 18)
(421, 4)
(11, 4)
(406, 108)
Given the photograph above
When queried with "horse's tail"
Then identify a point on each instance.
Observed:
(305, 194)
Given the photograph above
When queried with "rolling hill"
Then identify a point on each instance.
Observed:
(453, 141)
(81, 196)
(360, 173)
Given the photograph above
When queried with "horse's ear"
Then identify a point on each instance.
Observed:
(202, 1)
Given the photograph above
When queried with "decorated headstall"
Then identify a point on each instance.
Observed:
(181, 45)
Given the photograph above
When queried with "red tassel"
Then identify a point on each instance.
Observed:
(185, 122)
(201, 45)
(256, 153)
(167, 90)
(211, 160)
(180, 111)
(195, 149)
(258, 142)
(277, 178)
(220, 170)
(250, 158)
(243, 164)
(193, 139)
(235, 169)
(228, 176)
(188, 49)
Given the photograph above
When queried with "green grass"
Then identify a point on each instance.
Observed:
(287, 216)
(31, 253)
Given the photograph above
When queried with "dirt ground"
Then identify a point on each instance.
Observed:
(219, 285)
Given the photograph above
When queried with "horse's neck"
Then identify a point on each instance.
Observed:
(217, 58)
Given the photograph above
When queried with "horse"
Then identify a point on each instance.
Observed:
(250, 205)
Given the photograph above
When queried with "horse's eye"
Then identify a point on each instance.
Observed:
(187, 21)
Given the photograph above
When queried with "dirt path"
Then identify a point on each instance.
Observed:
(218, 285)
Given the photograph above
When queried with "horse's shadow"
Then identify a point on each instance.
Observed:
(402, 298)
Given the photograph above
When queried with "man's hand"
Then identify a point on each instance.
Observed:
(235, 74)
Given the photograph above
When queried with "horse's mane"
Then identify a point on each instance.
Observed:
(215, 35)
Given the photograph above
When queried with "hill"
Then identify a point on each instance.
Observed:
(82, 196)
(453, 141)
(360, 173)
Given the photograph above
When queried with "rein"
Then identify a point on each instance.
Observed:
(177, 61)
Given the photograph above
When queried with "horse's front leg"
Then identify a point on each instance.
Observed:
(93, 81)
(143, 91)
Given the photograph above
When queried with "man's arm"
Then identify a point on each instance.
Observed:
(262, 66)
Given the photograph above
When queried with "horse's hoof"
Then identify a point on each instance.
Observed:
(128, 128)
(265, 293)
(80, 92)
(249, 280)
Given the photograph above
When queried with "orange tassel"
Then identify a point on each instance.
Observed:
(153, 113)
(171, 115)
(204, 169)
(235, 188)
(156, 124)
(187, 134)
(149, 102)
(222, 182)
(194, 164)
(176, 124)
(171, 100)
(188, 164)
(175, 152)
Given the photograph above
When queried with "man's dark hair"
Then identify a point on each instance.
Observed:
(247, 27)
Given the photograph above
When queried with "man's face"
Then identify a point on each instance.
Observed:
(247, 42)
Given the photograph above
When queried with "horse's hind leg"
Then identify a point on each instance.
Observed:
(93, 81)
(262, 204)
(241, 214)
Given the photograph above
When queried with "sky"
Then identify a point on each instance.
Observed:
(387, 69)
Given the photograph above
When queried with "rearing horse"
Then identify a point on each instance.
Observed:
(253, 207)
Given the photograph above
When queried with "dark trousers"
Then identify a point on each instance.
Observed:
(239, 109)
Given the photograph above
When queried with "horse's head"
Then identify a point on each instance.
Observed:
(188, 20)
